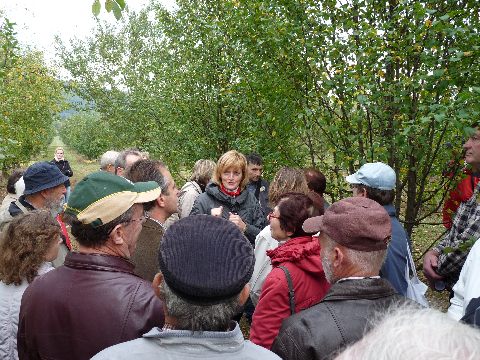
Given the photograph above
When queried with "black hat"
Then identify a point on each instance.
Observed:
(41, 176)
(205, 259)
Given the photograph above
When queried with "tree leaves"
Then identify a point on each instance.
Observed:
(117, 6)
(304, 83)
(96, 7)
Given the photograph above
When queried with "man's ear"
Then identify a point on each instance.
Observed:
(160, 201)
(116, 235)
(363, 193)
(338, 256)
(244, 294)
(45, 193)
(157, 281)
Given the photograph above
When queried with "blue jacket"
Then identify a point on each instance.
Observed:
(393, 269)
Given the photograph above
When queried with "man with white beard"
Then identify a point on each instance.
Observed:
(354, 234)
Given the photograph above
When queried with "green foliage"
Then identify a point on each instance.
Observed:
(117, 6)
(333, 84)
(75, 128)
(463, 247)
(29, 101)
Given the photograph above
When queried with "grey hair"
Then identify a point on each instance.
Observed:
(108, 158)
(196, 317)
(368, 261)
(412, 333)
(121, 160)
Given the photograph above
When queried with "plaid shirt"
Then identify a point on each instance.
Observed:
(466, 225)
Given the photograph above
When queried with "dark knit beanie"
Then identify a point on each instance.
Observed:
(205, 259)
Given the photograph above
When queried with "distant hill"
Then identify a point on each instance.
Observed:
(76, 104)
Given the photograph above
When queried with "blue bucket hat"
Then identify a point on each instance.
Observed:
(41, 176)
(375, 175)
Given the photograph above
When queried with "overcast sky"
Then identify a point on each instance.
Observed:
(38, 21)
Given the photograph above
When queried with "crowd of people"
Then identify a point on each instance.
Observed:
(163, 273)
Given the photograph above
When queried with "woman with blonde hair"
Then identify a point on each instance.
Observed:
(227, 196)
(202, 173)
(64, 166)
(27, 247)
(286, 180)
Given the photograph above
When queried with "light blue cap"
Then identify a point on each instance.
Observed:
(375, 175)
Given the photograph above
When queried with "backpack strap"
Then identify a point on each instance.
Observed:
(21, 207)
(291, 292)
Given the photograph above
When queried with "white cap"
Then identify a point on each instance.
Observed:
(375, 175)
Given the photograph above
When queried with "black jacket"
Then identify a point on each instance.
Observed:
(337, 321)
(260, 190)
(65, 168)
(245, 205)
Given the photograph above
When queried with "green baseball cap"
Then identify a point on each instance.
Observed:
(102, 197)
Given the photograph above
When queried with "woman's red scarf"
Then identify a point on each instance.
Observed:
(230, 193)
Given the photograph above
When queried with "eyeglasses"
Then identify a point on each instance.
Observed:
(272, 216)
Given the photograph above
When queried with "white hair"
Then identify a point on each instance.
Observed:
(410, 333)
(108, 158)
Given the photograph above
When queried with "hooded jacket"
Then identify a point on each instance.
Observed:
(245, 205)
(301, 256)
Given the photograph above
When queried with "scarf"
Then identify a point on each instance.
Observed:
(234, 193)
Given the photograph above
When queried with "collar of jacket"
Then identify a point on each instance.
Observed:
(294, 249)
(366, 288)
(101, 262)
(390, 209)
(214, 190)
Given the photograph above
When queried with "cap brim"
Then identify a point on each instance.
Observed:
(352, 179)
(110, 207)
(313, 225)
(147, 191)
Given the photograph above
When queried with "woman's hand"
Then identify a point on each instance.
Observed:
(217, 211)
(237, 220)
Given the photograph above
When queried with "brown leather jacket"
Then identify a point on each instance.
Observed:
(92, 302)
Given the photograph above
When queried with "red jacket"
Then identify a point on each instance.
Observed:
(301, 256)
(461, 193)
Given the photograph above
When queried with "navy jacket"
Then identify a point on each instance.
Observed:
(394, 266)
